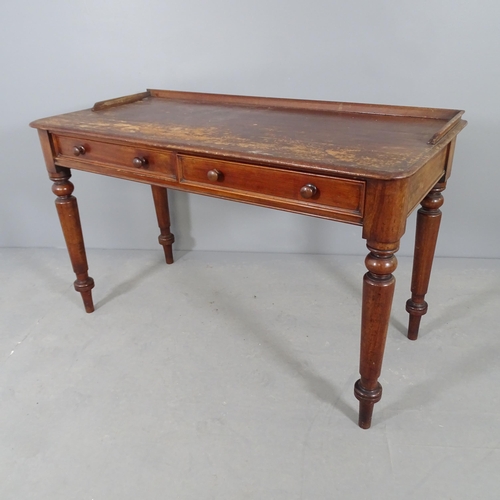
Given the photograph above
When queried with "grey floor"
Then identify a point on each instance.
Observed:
(230, 376)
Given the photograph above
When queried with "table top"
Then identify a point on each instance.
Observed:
(358, 140)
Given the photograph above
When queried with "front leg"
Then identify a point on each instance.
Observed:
(67, 209)
(428, 221)
(378, 291)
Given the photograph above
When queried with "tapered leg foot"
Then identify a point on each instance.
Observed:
(67, 209)
(166, 238)
(85, 288)
(378, 291)
(416, 310)
(428, 221)
(367, 399)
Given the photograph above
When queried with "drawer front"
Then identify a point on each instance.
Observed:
(296, 191)
(115, 156)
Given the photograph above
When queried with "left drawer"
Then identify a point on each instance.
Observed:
(97, 155)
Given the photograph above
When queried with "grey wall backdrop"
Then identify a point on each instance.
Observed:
(59, 56)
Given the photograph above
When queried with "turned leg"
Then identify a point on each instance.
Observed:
(378, 290)
(67, 209)
(166, 238)
(428, 220)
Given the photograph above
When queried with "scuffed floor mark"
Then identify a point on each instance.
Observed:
(28, 334)
(389, 450)
(305, 442)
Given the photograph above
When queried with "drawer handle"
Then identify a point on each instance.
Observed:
(79, 150)
(308, 191)
(214, 175)
(140, 162)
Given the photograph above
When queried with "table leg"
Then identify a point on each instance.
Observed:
(67, 209)
(378, 291)
(428, 221)
(166, 238)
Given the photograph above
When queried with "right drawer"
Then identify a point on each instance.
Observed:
(302, 192)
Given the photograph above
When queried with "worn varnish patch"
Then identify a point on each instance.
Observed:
(340, 142)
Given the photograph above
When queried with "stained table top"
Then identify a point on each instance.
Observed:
(329, 137)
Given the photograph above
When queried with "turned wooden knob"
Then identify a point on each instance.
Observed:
(308, 191)
(79, 151)
(214, 175)
(139, 162)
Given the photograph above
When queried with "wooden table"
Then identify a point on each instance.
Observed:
(368, 165)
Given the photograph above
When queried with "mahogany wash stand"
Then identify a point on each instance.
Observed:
(369, 165)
